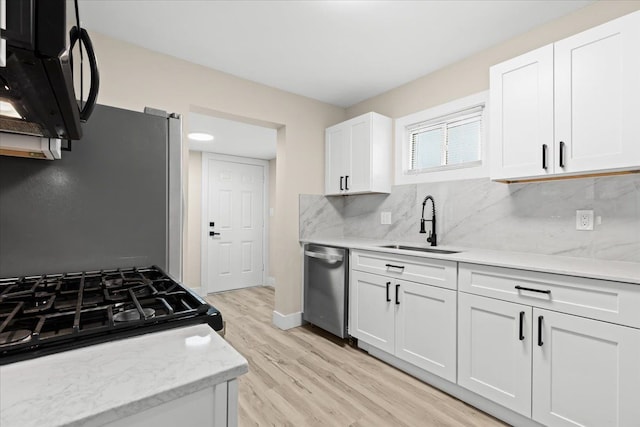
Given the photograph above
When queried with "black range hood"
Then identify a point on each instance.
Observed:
(37, 80)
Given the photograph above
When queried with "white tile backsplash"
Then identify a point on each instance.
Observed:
(479, 213)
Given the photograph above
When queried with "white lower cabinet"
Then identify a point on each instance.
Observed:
(494, 350)
(372, 310)
(414, 322)
(558, 369)
(585, 372)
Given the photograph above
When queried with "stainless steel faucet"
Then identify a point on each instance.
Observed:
(433, 238)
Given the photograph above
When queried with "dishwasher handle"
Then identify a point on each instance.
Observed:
(326, 257)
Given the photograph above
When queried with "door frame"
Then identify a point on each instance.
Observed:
(204, 222)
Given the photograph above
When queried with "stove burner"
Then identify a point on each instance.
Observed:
(133, 314)
(10, 337)
(111, 283)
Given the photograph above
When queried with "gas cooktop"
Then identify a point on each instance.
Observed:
(46, 314)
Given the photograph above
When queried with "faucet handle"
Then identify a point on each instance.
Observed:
(429, 237)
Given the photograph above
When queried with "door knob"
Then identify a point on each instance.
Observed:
(213, 233)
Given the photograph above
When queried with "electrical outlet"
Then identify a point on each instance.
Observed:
(584, 220)
(385, 218)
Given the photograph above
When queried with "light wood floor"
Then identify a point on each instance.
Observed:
(305, 377)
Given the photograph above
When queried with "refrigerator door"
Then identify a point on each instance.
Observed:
(176, 200)
(103, 205)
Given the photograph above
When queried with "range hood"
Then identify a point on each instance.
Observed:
(32, 147)
(37, 76)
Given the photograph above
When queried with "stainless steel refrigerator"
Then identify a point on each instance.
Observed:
(114, 200)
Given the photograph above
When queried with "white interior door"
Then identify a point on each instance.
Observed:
(234, 208)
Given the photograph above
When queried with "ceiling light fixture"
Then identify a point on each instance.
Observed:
(200, 136)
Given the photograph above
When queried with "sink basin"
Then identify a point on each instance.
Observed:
(419, 249)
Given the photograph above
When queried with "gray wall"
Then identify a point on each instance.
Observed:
(103, 205)
(478, 213)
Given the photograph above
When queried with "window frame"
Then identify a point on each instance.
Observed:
(404, 127)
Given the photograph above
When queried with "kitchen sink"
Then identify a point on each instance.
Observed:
(419, 249)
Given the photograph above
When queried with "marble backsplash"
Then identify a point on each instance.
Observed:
(532, 217)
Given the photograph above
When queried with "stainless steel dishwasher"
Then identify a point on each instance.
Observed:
(326, 287)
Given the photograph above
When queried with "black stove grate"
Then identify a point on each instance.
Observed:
(46, 314)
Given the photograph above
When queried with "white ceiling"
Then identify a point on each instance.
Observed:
(233, 138)
(339, 52)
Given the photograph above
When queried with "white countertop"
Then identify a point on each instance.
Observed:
(104, 382)
(619, 271)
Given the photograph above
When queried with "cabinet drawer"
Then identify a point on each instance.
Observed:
(614, 302)
(434, 272)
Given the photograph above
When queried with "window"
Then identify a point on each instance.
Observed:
(453, 140)
(443, 143)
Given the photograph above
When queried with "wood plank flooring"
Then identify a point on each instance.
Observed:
(306, 377)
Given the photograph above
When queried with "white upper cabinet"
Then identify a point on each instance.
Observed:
(358, 156)
(597, 97)
(569, 108)
(521, 117)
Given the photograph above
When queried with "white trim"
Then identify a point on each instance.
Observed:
(204, 247)
(469, 397)
(287, 321)
(271, 281)
(402, 124)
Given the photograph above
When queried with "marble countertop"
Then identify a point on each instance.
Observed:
(619, 271)
(104, 382)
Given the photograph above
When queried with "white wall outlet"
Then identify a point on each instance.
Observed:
(385, 218)
(584, 220)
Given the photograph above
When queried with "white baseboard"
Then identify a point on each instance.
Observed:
(271, 281)
(287, 321)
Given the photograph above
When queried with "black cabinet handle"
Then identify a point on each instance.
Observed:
(540, 343)
(521, 333)
(540, 291)
(213, 233)
(401, 267)
(346, 182)
(341, 188)
(397, 291)
(561, 154)
(388, 299)
(544, 156)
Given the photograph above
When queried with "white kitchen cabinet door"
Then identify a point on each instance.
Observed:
(372, 305)
(358, 156)
(494, 350)
(358, 179)
(585, 372)
(426, 328)
(521, 118)
(338, 153)
(597, 96)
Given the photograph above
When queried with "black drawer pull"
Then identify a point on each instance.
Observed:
(544, 156)
(561, 154)
(521, 325)
(346, 182)
(397, 291)
(341, 186)
(540, 343)
(548, 291)
(388, 299)
(401, 267)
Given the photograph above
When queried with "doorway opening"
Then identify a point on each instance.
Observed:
(230, 203)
